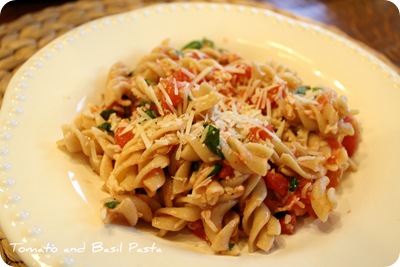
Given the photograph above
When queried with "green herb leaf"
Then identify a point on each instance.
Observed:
(212, 140)
(301, 90)
(293, 183)
(198, 44)
(179, 53)
(144, 103)
(150, 82)
(105, 126)
(208, 43)
(105, 114)
(111, 204)
(193, 45)
(151, 113)
(216, 169)
(316, 89)
(195, 166)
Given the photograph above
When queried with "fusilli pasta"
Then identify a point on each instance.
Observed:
(200, 138)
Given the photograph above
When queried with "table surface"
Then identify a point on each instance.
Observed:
(375, 23)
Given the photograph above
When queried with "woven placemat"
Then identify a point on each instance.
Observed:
(20, 39)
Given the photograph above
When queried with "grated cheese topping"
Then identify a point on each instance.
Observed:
(218, 125)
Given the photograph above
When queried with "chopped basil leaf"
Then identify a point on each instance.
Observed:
(179, 53)
(208, 43)
(316, 88)
(151, 113)
(195, 166)
(216, 169)
(105, 114)
(231, 246)
(111, 204)
(293, 183)
(301, 90)
(193, 45)
(105, 126)
(212, 140)
(198, 44)
(144, 103)
(150, 82)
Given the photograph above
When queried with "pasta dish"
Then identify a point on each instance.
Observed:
(199, 138)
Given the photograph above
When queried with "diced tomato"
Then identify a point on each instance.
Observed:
(322, 99)
(304, 199)
(227, 90)
(348, 119)
(311, 211)
(333, 143)
(226, 171)
(296, 205)
(278, 183)
(241, 78)
(197, 228)
(264, 135)
(288, 227)
(169, 86)
(255, 133)
(272, 203)
(122, 139)
(180, 76)
(350, 143)
(271, 94)
(334, 178)
(248, 71)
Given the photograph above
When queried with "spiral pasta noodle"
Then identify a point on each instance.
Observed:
(200, 138)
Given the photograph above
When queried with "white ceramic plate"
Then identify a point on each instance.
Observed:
(50, 200)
